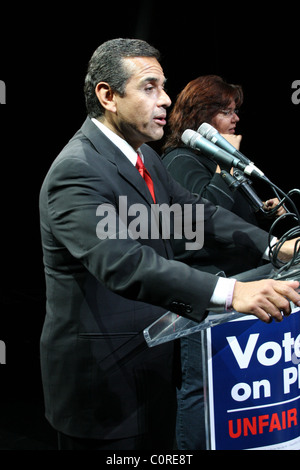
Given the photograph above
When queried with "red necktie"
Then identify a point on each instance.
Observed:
(145, 174)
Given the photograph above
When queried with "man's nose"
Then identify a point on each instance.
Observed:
(164, 100)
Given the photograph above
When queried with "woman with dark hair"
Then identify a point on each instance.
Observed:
(210, 99)
(206, 99)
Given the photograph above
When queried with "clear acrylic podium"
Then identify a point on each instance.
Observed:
(171, 326)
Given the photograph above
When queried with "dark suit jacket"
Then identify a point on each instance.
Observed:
(100, 379)
(195, 171)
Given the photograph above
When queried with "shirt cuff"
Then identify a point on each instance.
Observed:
(221, 300)
(266, 254)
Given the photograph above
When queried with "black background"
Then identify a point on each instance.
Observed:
(44, 55)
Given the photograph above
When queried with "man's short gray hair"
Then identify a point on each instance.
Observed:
(106, 65)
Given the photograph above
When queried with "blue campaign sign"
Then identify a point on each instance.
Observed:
(254, 384)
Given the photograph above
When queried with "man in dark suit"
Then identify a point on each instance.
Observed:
(103, 387)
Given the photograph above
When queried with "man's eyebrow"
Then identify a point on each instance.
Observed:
(153, 79)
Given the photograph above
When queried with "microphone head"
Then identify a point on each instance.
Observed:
(188, 137)
(206, 130)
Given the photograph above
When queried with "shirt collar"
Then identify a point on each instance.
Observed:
(124, 146)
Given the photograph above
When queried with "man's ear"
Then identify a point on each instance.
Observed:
(106, 96)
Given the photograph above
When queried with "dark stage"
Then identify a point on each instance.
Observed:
(44, 57)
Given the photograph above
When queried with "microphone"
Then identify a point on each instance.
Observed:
(210, 133)
(196, 141)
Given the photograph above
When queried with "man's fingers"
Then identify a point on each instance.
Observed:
(288, 290)
(266, 299)
(268, 310)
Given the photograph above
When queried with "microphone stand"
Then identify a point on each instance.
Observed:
(238, 181)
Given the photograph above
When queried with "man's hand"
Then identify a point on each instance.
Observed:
(266, 299)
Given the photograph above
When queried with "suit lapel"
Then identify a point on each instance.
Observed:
(111, 152)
